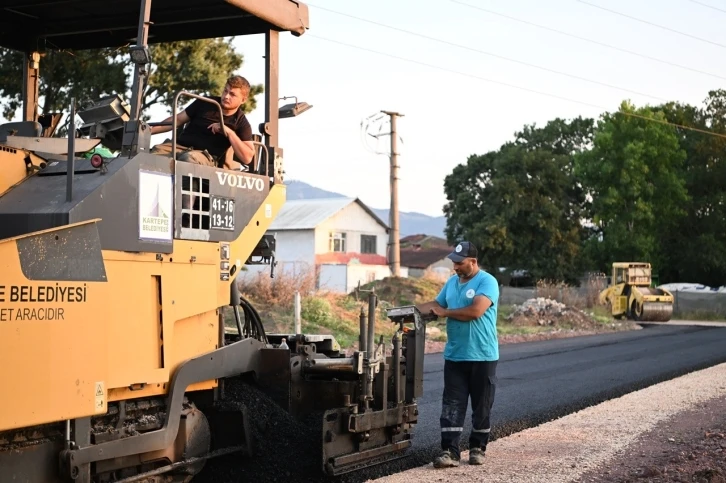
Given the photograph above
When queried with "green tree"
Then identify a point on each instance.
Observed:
(198, 66)
(697, 248)
(632, 174)
(521, 204)
(85, 75)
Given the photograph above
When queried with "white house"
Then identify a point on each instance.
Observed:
(340, 239)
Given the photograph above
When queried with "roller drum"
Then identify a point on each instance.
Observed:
(656, 312)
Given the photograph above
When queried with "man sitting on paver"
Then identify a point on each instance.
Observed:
(204, 140)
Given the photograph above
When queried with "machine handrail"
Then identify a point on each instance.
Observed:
(267, 158)
(173, 116)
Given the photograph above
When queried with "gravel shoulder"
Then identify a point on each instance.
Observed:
(672, 431)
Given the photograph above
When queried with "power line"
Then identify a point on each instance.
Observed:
(585, 39)
(465, 47)
(602, 108)
(652, 24)
(453, 71)
(709, 6)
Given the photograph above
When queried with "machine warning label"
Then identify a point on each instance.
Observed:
(38, 294)
(100, 398)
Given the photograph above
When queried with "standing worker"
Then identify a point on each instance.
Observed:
(468, 300)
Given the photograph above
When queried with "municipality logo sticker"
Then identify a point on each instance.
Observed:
(470, 293)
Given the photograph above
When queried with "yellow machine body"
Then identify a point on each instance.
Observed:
(16, 165)
(134, 327)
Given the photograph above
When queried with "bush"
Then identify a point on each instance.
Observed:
(278, 291)
(581, 298)
(316, 310)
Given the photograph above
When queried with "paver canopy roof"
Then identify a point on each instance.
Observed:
(91, 24)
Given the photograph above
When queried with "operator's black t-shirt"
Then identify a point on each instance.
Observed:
(197, 135)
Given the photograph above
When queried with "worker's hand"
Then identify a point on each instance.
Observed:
(219, 128)
(439, 311)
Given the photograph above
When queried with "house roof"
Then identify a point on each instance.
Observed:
(424, 241)
(423, 257)
(308, 214)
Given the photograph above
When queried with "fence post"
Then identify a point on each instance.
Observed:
(298, 310)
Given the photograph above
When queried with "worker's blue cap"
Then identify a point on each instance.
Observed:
(463, 250)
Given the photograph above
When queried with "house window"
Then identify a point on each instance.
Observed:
(368, 244)
(337, 242)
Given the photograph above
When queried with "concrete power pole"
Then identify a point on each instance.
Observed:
(394, 237)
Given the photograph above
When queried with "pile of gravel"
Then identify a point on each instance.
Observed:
(539, 307)
(546, 312)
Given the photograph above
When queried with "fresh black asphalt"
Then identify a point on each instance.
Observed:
(537, 382)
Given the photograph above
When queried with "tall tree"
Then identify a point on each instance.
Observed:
(521, 203)
(198, 66)
(632, 174)
(698, 245)
(85, 75)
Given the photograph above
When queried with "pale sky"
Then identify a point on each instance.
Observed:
(450, 109)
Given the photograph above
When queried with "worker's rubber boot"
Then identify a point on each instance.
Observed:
(445, 460)
(476, 456)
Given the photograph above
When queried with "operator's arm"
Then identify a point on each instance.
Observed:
(244, 150)
(436, 305)
(427, 307)
(476, 309)
(181, 119)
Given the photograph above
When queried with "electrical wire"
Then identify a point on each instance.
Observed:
(602, 108)
(365, 124)
(652, 24)
(709, 6)
(444, 69)
(585, 39)
(491, 54)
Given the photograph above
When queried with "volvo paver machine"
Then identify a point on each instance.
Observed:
(115, 363)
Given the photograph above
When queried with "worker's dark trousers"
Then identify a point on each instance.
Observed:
(461, 381)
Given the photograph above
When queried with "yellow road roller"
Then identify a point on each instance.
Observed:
(630, 295)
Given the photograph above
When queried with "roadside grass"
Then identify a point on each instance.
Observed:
(339, 314)
(700, 315)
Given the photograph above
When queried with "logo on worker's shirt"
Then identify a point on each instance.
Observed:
(470, 293)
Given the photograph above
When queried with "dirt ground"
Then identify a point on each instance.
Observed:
(689, 448)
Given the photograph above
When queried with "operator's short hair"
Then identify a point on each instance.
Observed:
(239, 82)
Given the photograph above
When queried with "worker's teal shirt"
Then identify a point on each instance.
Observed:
(476, 340)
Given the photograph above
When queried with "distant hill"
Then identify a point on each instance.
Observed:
(411, 223)
(298, 190)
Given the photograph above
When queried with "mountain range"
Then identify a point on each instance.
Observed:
(411, 223)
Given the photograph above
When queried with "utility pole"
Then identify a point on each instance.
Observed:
(394, 237)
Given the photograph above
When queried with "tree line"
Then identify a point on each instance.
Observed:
(639, 184)
(198, 66)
